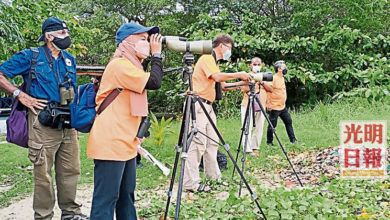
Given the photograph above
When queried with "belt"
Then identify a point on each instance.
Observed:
(205, 101)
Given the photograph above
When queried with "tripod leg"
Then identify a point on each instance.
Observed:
(172, 181)
(253, 113)
(277, 138)
(184, 154)
(242, 134)
(179, 143)
(227, 148)
(247, 127)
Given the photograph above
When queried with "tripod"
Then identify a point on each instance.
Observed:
(245, 129)
(246, 126)
(185, 138)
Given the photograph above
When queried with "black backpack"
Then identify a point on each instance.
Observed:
(221, 159)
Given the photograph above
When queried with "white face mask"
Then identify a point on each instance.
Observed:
(256, 69)
(142, 48)
(227, 54)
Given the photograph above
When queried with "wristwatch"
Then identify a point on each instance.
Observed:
(16, 93)
(157, 55)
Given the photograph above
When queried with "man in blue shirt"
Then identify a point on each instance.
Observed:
(54, 68)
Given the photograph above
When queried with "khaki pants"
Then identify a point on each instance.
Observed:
(254, 140)
(48, 147)
(202, 146)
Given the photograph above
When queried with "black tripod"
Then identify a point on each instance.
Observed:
(245, 129)
(185, 138)
(246, 126)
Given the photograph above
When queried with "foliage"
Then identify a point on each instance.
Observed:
(21, 22)
(365, 15)
(335, 60)
(159, 130)
(109, 15)
(341, 200)
(333, 48)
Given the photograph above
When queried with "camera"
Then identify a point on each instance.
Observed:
(180, 44)
(266, 76)
(197, 47)
(143, 130)
(172, 38)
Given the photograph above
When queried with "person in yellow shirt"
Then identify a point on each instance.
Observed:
(112, 141)
(261, 88)
(206, 75)
(277, 103)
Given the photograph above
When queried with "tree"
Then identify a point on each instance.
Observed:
(371, 17)
(21, 22)
(107, 16)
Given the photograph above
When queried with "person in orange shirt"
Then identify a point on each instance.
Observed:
(277, 103)
(112, 141)
(206, 75)
(261, 88)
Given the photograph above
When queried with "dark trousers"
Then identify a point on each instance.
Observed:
(114, 185)
(286, 118)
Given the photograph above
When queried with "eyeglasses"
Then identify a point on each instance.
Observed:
(60, 32)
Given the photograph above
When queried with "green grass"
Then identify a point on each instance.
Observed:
(11, 174)
(317, 128)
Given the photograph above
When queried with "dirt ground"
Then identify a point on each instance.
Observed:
(327, 158)
(22, 210)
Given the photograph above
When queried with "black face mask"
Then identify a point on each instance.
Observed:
(62, 43)
(284, 71)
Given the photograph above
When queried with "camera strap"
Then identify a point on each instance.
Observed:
(49, 58)
(107, 101)
(218, 86)
(31, 75)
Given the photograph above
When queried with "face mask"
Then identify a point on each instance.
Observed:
(256, 69)
(61, 43)
(142, 48)
(227, 54)
(284, 71)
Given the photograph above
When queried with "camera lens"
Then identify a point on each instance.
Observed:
(267, 76)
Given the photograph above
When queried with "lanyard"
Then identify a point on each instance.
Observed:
(56, 74)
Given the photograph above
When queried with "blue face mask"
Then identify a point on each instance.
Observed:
(227, 54)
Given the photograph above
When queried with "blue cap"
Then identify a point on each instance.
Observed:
(52, 24)
(133, 28)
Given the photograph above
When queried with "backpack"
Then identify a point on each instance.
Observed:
(83, 109)
(17, 127)
(221, 160)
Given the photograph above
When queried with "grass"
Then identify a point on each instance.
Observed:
(317, 128)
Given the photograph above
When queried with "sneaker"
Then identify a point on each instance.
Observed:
(80, 217)
(139, 165)
(270, 144)
(74, 217)
(66, 217)
(297, 142)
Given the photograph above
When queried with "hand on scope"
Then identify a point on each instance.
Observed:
(257, 77)
(140, 140)
(244, 76)
(155, 43)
